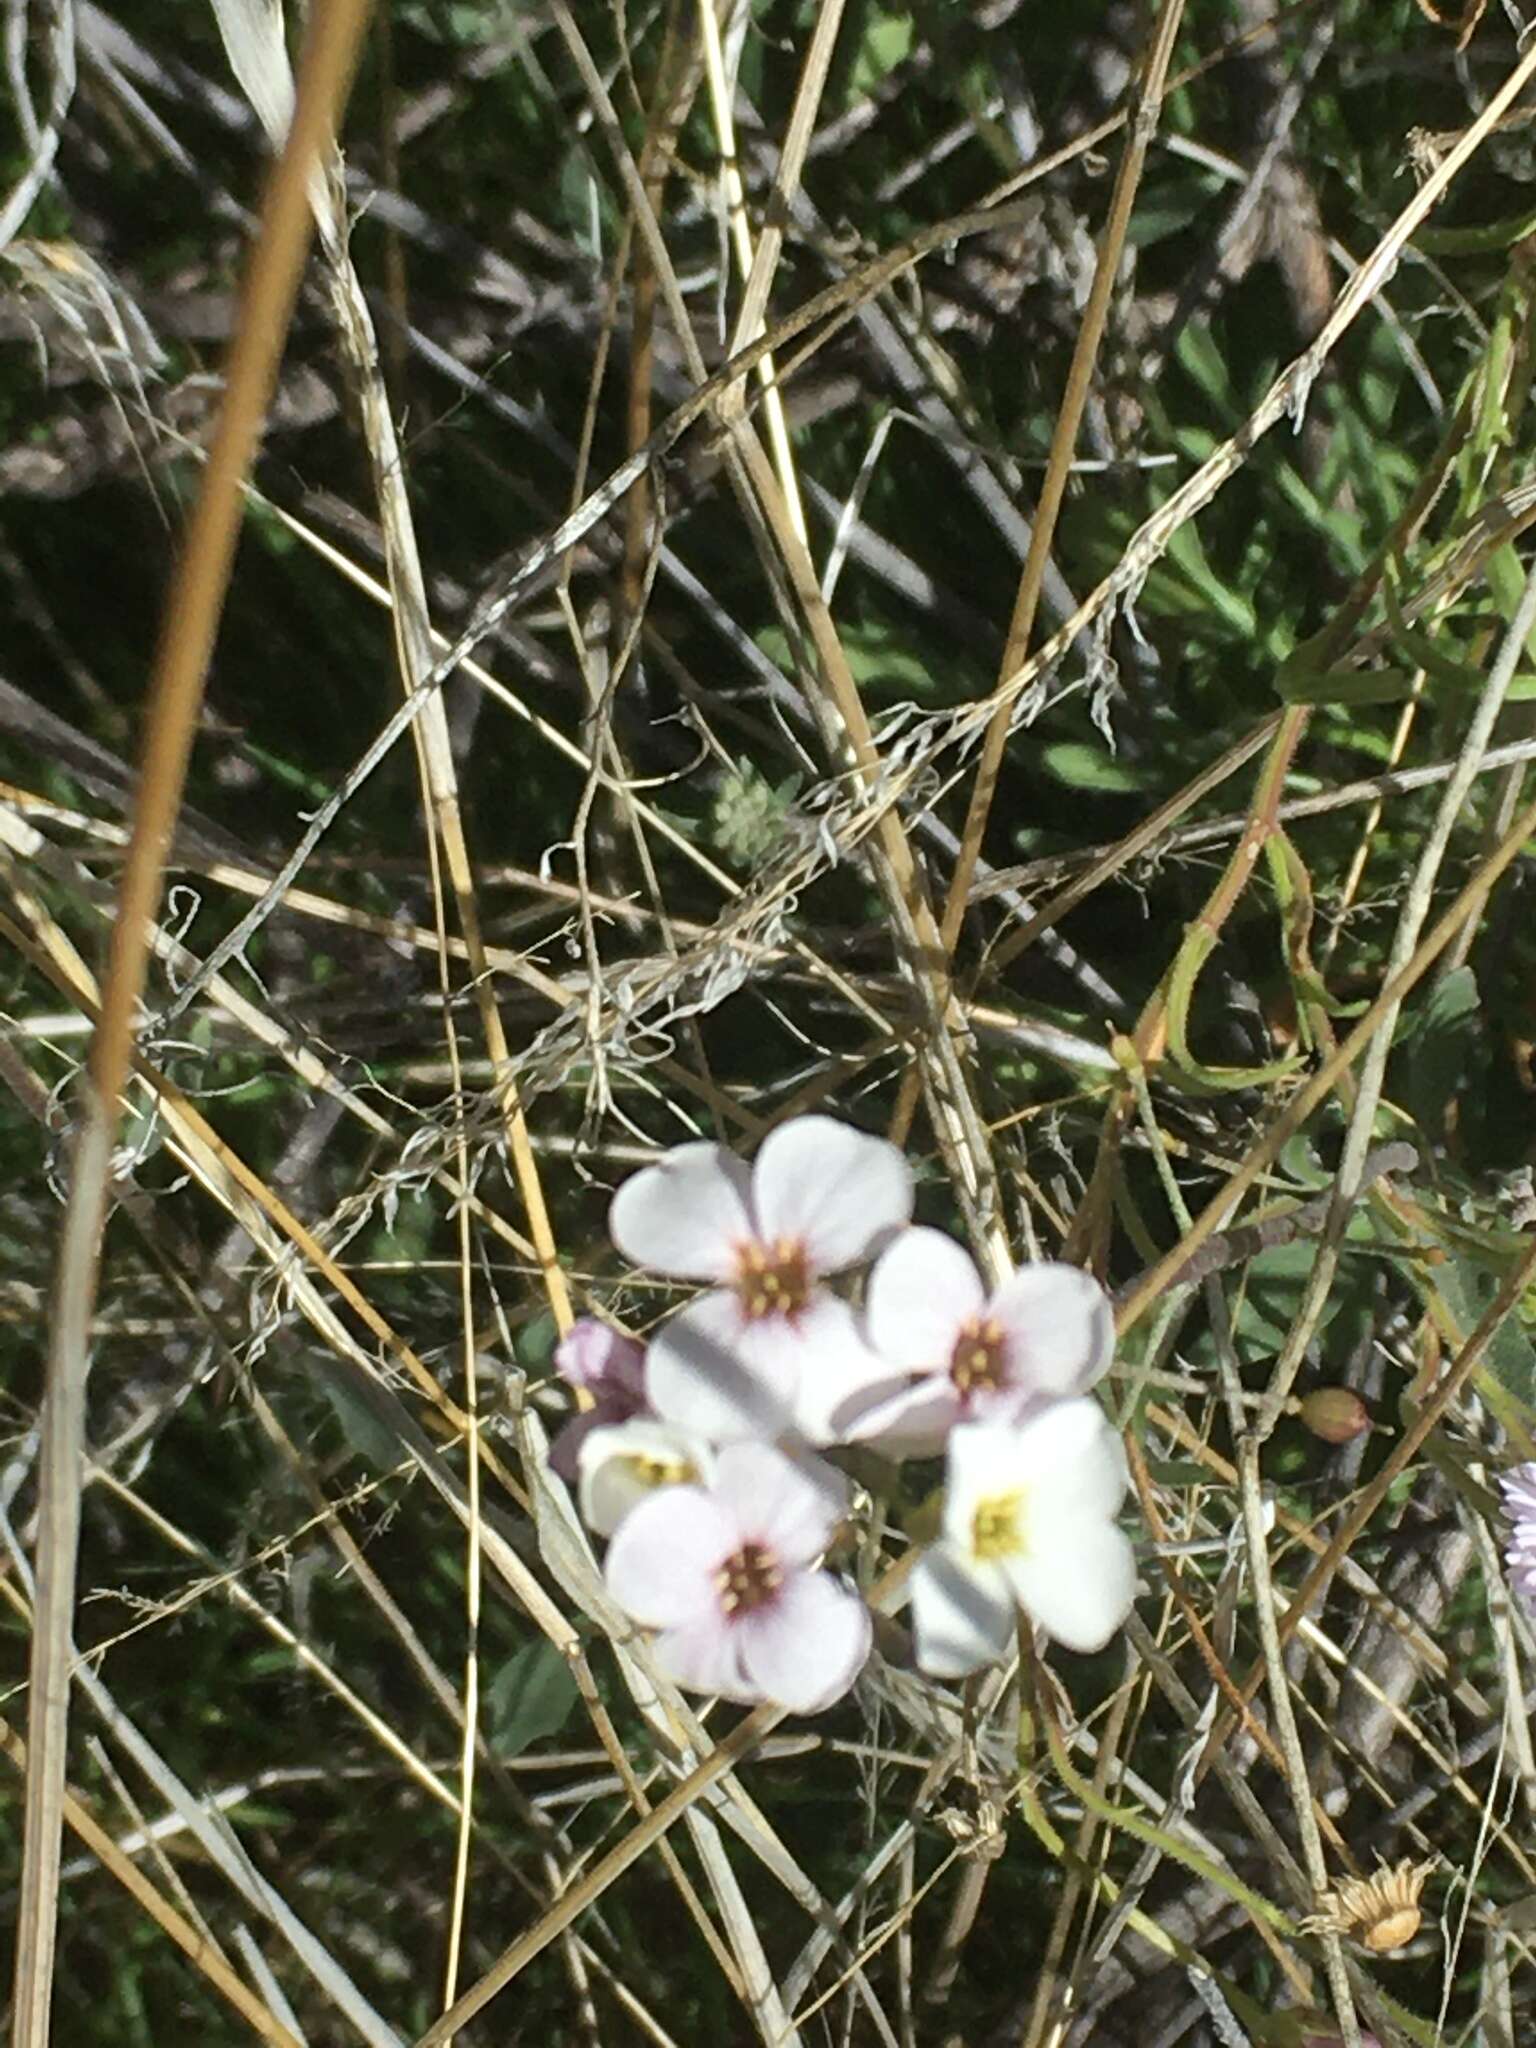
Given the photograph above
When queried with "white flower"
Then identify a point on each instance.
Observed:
(767, 1349)
(726, 1574)
(966, 1356)
(1028, 1522)
(619, 1465)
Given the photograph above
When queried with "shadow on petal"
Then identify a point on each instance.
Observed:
(707, 1373)
(962, 1617)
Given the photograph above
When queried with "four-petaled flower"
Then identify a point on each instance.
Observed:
(1028, 1522)
(1519, 1489)
(768, 1349)
(727, 1574)
(610, 1368)
(1046, 1333)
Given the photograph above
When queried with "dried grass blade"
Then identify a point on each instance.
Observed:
(191, 622)
(160, 1909)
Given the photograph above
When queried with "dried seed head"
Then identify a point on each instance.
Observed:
(1381, 1912)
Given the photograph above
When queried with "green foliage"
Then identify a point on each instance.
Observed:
(748, 814)
(1438, 1046)
(530, 1698)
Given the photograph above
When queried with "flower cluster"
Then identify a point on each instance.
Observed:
(704, 1455)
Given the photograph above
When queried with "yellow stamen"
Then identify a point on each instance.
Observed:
(997, 1527)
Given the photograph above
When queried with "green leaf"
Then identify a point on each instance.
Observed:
(1297, 684)
(881, 660)
(1498, 234)
(1200, 357)
(1083, 766)
(530, 1698)
(535, 1342)
(1178, 1472)
(884, 47)
(1170, 209)
(1272, 1294)
(749, 813)
(1468, 1288)
(368, 1434)
(1299, 1159)
(1188, 555)
(1437, 1046)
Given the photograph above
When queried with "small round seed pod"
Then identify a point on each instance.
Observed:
(1336, 1414)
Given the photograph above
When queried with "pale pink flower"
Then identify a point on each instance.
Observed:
(1028, 1522)
(1519, 1489)
(726, 1573)
(608, 1366)
(957, 1354)
(619, 1466)
(767, 1349)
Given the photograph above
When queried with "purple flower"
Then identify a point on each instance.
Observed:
(767, 1349)
(608, 1366)
(726, 1573)
(1519, 1488)
(957, 1354)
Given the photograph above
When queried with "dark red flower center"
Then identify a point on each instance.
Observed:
(748, 1580)
(772, 1279)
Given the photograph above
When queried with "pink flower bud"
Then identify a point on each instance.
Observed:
(609, 1365)
(609, 1368)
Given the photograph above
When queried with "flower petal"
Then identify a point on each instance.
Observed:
(621, 1466)
(1065, 1459)
(962, 1615)
(685, 1215)
(705, 1656)
(921, 1291)
(603, 1360)
(807, 1646)
(1080, 1584)
(835, 1366)
(910, 1421)
(662, 1562)
(1072, 1460)
(1059, 1326)
(792, 1508)
(712, 1370)
(984, 1465)
(833, 1189)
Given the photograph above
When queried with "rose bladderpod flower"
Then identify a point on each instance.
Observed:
(622, 1465)
(1518, 1485)
(610, 1368)
(768, 1348)
(727, 1574)
(958, 1354)
(1028, 1522)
